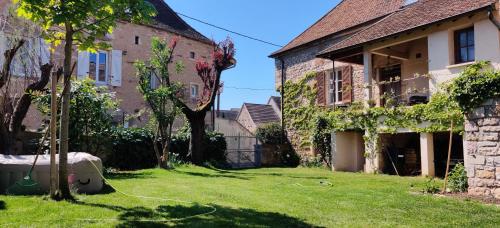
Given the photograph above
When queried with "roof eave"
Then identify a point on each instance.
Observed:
(325, 53)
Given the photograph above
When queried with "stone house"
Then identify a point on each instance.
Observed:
(115, 69)
(424, 43)
(253, 116)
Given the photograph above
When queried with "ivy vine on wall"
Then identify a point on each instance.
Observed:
(475, 85)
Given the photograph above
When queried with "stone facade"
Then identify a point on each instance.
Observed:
(482, 150)
(301, 61)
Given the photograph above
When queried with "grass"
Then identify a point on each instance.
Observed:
(253, 198)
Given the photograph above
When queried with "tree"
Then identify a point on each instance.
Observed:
(81, 23)
(19, 45)
(210, 74)
(14, 107)
(155, 86)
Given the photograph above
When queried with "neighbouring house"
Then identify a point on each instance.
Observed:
(253, 116)
(360, 43)
(275, 102)
(226, 122)
(129, 42)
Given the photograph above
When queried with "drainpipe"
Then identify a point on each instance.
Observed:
(283, 80)
(334, 85)
(492, 18)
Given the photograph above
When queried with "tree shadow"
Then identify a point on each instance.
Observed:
(234, 172)
(2, 205)
(217, 175)
(182, 216)
(129, 175)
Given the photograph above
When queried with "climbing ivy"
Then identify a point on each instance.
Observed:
(302, 115)
(311, 123)
(475, 85)
(300, 107)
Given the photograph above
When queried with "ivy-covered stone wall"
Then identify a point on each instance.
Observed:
(482, 149)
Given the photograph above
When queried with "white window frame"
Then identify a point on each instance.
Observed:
(194, 53)
(197, 93)
(106, 70)
(334, 87)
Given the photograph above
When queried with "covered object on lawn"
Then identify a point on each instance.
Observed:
(84, 177)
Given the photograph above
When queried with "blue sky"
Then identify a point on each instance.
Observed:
(276, 21)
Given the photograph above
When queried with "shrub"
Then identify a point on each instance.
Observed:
(311, 162)
(289, 157)
(91, 122)
(458, 179)
(215, 146)
(180, 143)
(269, 134)
(132, 148)
(431, 186)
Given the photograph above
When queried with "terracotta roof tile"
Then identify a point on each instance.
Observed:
(419, 14)
(347, 14)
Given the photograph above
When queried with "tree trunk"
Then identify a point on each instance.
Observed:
(53, 137)
(196, 147)
(24, 103)
(5, 137)
(64, 192)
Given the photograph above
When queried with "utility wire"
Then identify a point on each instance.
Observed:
(254, 89)
(230, 31)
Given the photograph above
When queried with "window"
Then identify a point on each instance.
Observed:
(335, 87)
(153, 81)
(192, 55)
(464, 45)
(98, 67)
(194, 91)
(137, 40)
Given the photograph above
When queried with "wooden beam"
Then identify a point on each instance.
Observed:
(392, 53)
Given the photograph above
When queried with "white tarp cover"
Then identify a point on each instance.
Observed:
(83, 176)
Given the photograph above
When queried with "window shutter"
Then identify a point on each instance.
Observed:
(347, 90)
(83, 65)
(320, 86)
(116, 68)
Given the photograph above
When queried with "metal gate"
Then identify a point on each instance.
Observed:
(243, 151)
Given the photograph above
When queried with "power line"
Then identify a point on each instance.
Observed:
(230, 31)
(254, 89)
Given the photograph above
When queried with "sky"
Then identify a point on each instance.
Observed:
(275, 21)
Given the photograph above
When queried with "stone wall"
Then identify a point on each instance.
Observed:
(482, 150)
(301, 61)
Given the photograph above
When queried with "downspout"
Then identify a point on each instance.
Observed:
(492, 18)
(283, 80)
(334, 75)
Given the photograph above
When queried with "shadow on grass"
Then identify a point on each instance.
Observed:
(129, 175)
(217, 175)
(237, 172)
(2, 205)
(178, 216)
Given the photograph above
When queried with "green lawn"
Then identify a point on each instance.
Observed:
(256, 197)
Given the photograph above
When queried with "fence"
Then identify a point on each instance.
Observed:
(243, 151)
